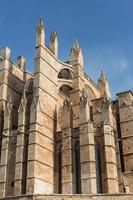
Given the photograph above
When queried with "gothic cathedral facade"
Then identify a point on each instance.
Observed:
(60, 133)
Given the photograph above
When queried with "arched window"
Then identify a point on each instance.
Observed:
(65, 74)
(98, 168)
(77, 168)
(65, 89)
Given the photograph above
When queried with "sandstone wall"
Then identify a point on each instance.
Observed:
(73, 197)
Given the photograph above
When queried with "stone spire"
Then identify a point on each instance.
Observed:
(40, 33)
(54, 43)
(102, 75)
(76, 46)
(103, 86)
(76, 54)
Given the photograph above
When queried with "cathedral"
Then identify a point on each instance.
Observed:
(61, 133)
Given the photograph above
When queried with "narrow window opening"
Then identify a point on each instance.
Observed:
(1, 129)
(14, 118)
(91, 113)
(60, 171)
(120, 142)
(77, 168)
(98, 168)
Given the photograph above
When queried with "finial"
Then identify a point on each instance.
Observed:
(104, 86)
(102, 75)
(53, 36)
(76, 54)
(40, 33)
(41, 23)
(54, 43)
(76, 45)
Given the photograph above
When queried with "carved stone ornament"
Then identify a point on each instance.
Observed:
(85, 97)
(8, 108)
(22, 103)
(5, 134)
(106, 111)
(64, 114)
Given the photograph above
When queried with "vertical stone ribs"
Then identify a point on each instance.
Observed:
(103, 123)
(67, 159)
(87, 148)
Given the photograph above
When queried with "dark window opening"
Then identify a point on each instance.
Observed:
(1, 129)
(60, 171)
(77, 168)
(65, 89)
(98, 168)
(12, 184)
(29, 88)
(24, 173)
(65, 74)
(91, 113)
(14, 115)
(120, 142)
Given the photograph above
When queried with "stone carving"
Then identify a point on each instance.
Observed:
(5, 134)
(106, 111)
(65, 114)
(8, 109)
(85, 97)
(23, 103)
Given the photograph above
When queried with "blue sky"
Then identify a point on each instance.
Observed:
(103, 28)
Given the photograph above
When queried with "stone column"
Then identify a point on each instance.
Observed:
(5, 149)
(67, 169)
(20, 147)
(109, 150)
(87, 149)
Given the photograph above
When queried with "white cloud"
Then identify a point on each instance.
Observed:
(120, 64)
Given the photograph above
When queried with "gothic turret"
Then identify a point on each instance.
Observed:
(76, 54)
(54, 43)
(103, 86)
(40, 33)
